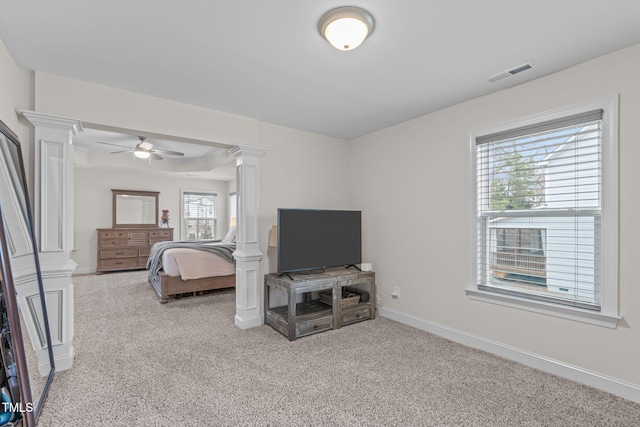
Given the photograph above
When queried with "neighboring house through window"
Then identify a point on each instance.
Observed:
(518, 255)
(199, 215)
(544, 213)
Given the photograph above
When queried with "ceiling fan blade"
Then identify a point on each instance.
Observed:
(123, 151)
(115, 145)
(168, 152)
(155, 156)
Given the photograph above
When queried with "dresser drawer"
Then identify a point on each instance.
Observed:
(356, 314)
(113, 234)
(138, 238)
(154, 241)
(314, 325)
(118, 253)
(110, 243)
(161, 233)
(144, 251)
(117, 263)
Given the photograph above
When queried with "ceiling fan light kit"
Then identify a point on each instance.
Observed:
(144, 150)
(346, 27)
(144, 144)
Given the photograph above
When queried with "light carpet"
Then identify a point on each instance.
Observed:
(142, 363)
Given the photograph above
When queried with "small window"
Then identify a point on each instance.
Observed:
(199, 215)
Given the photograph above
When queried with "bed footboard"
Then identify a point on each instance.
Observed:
(166, 286)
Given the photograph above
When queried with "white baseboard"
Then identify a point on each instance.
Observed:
(593, 379)
(61, 361)
(85, 270)
(64, 362)
(253, 322)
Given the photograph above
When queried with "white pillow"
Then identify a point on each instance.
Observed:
(231, 235)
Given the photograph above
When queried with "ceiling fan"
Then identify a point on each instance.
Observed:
(144, 150)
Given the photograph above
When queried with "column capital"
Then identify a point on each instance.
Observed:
(50, 121)
(245, 150)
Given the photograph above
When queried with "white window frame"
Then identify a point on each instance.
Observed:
(608, 315)
(182, 218)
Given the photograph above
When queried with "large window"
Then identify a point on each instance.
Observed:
(541, 189)
(199, 215)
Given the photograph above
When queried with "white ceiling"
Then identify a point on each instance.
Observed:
(266, 60)
(103, 149)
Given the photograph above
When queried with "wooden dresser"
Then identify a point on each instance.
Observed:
(127, 248)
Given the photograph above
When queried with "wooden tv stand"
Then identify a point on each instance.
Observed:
(301, 311)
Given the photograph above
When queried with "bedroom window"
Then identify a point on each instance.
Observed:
(544, 213)
(199, 215)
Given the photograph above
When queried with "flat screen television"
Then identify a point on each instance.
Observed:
(311, 239)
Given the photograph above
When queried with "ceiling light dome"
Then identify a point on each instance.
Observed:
(142, 154)
(346, 27)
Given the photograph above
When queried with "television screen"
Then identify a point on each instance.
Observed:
(310, 239)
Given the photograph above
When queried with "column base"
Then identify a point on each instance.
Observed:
(62, 362)
(248, 323)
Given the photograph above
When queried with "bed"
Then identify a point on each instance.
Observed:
(176, 268)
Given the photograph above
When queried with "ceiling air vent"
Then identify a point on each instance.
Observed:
(511, 72)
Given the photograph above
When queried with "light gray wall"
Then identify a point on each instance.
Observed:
(299, 169)
(16, 92)
(93, 204)
(419, 244)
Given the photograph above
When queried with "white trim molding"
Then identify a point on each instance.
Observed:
(54, 226)
(248, 254)
(542, 307)
(574, 373)
(608, 314)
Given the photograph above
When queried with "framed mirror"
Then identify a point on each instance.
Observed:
(25, 378)
(135, 208)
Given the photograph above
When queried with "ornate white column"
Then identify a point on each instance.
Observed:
(54, 227)
(247, 252)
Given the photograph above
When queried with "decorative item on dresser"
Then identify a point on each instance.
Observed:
(127, 248)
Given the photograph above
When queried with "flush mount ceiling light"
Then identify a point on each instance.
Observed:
(346, 27)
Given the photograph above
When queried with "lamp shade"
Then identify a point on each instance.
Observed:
(346, 27)
(273, 238)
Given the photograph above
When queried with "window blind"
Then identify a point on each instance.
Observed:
(200, 215)
(539, 210)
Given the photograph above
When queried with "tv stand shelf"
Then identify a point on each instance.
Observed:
(303, 313)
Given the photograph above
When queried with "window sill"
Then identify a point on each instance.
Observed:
(565, 312)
